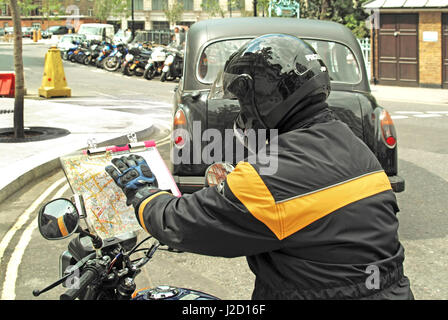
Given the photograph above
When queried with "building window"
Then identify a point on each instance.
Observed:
(35, 25)
(160, 25)
(158, 4)
(3, 9)
(188, 4)
(138, 4)
(90, 12)
(186, 23)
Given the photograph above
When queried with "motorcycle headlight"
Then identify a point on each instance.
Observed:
(169, 60)
(129, 57)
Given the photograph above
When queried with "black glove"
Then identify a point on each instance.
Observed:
(133, 176)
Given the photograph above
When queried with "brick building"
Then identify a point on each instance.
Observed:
(149, 14)
(409, 42)
(73, 12)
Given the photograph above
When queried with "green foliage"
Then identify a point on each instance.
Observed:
(236, 4)
(347, 12)
(26, 6)
(50, 8)
(174, 12)
(116, 8)
(212, 7)
(263, 7)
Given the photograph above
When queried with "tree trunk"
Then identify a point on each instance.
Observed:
(18, 68)
(324, 9)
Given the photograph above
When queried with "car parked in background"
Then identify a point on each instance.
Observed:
(27, 32)
(56, 30)
(97, 31)
(2, 32)
(69, 40)
(208, 46)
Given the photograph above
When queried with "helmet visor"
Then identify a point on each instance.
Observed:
(219, 87)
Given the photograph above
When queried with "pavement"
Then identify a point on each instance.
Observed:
(23, 162)
(20, 163)
(27, 41)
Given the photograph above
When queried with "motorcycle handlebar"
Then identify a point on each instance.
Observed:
(88, 276)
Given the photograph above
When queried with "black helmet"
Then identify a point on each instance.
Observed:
(272, 76)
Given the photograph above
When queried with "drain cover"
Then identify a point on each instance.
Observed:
(32, 134)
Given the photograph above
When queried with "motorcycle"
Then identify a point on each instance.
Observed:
(155, 63)
(92, 53)
(135, 62)
(105, 51)
(83, 56)
(102, 269)
(173, 65)
(66, 54)
(115, 59)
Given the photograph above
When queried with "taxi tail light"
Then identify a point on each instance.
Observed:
(388, 129)
(179, 129)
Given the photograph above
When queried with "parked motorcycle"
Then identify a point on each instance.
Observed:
(105, 51)
(135, 61)
(91, 54)
(173, 65)
(66, 54)
(155, 63)
(115, 59)
(96, 269)
(84, 56)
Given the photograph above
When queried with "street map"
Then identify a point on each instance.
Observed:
(105, 203)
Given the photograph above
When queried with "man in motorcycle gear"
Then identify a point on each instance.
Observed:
(324, 226)
(54, 228)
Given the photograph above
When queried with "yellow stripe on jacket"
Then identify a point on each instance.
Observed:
(142, 206)
(289, 216)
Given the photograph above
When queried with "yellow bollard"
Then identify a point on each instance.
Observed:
(54, 83)
(34, 35)
(69, 30)
(39, 35)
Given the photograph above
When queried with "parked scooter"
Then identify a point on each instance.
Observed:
(155, 63)
(173, 66)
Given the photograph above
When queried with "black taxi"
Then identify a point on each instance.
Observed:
(208, 45)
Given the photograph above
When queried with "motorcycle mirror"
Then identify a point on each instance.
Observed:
(58, 219)
(217, 173)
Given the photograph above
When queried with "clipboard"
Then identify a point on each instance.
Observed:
(105, 203)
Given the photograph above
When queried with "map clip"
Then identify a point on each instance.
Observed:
(132, 137)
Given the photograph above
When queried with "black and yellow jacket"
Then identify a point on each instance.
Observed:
(324, 226)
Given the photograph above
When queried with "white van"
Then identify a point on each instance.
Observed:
(97, 31)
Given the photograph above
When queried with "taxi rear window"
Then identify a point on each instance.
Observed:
(339, 59)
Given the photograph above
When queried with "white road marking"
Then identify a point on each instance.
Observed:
(409, 112)
(25, 216)
(9, 286)
(418, 114)
(399, 117)
(434, 115)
